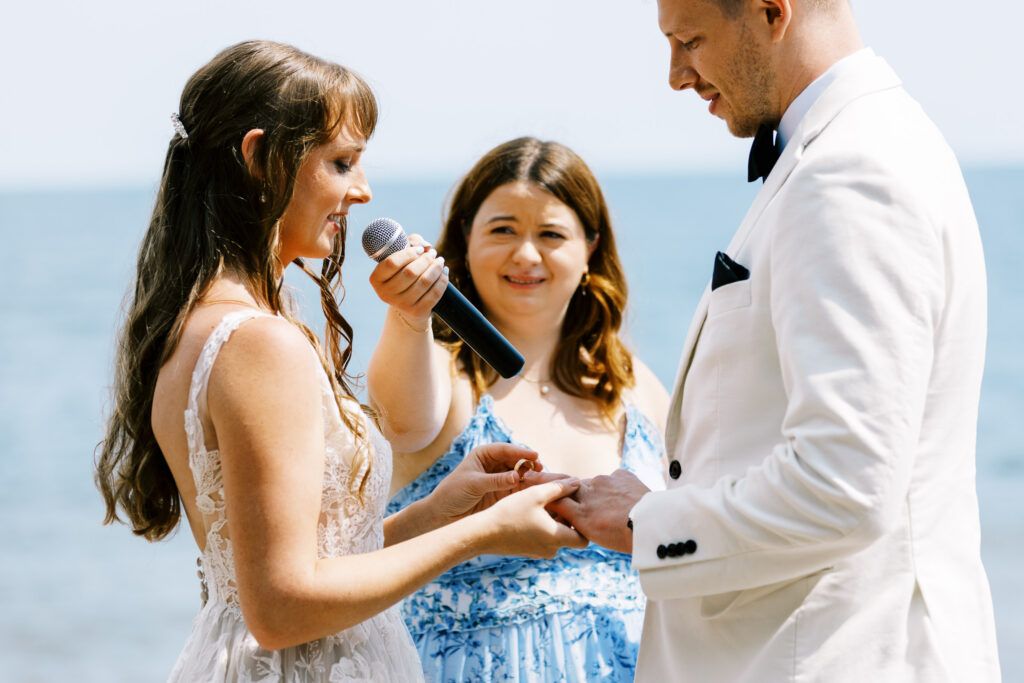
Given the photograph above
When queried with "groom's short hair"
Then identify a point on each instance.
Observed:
(731, 8)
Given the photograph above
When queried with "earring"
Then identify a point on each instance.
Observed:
(584, 282)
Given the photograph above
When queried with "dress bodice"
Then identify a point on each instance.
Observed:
(220, 647)
(642, 451)
(492, 591)
(347, 524)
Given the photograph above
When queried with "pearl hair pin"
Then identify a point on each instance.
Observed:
(179, 127)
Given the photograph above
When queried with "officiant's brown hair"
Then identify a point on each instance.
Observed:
(590, 360)
(216, 210)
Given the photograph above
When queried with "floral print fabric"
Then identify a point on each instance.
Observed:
(576, 617)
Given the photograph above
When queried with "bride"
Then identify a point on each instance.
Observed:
(229, 408)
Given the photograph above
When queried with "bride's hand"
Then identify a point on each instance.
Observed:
(486, 475)
(520, 524)
(411, 281)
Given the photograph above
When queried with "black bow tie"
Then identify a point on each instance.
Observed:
(763, 154)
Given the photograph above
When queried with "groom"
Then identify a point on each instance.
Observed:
(821, 521)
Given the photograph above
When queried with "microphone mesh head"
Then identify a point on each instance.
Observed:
(382, 238)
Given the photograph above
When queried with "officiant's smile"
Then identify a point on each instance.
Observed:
(527, 254)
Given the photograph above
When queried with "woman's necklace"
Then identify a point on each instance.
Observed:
(208, 302)
(544, 385)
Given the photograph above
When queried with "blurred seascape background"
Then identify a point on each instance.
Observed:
(85, 602)
(83, 134)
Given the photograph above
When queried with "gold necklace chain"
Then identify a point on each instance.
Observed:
(210, 302)
(543, 385)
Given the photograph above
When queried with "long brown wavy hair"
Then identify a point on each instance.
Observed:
(590, 360)
(214, 212)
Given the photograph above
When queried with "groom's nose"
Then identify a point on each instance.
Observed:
(681, 74)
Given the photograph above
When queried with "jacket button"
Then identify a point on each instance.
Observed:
(674, 469)
(662, 552)
(690, 547)
(676, 549)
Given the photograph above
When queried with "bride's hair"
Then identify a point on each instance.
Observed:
(214, 213)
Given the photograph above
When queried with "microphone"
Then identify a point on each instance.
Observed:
(383, 237)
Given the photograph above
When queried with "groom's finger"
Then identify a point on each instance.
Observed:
(566, 508)
(554, 490)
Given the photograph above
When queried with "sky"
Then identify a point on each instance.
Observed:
(90, 86)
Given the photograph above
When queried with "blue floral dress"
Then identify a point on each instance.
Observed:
(575, 617)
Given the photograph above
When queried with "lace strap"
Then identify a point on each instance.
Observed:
(201, 374)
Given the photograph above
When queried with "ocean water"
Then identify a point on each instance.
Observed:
(84, 602)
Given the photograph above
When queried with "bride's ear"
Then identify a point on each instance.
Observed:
(250, 146)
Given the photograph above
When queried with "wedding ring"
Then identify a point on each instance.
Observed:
(520, 463)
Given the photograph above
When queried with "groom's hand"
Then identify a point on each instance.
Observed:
(600, 509)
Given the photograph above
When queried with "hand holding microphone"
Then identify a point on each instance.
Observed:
(411, 281)
(384, 237)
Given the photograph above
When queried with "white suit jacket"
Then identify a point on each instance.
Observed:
(822, 524)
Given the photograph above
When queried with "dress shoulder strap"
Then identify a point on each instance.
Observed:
(643, 448)
(201, 374)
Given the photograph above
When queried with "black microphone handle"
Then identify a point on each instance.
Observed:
(478, 332)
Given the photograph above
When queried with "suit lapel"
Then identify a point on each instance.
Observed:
(781, 171)
(875, 77)
(673, 423)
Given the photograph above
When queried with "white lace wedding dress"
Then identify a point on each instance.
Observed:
(220, 647)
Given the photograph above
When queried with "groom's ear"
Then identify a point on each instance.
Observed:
(775, 16)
